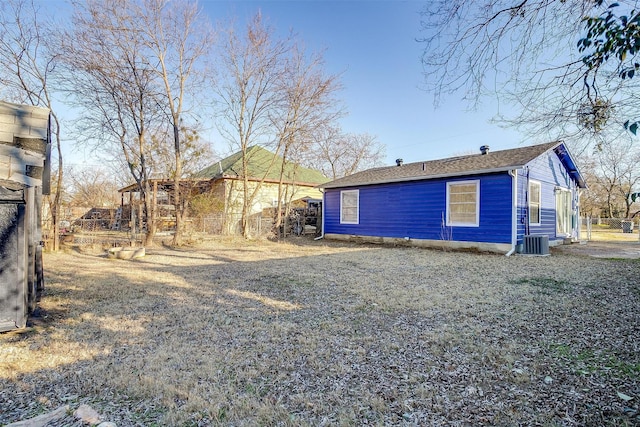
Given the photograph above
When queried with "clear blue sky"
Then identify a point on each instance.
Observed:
(373, 43)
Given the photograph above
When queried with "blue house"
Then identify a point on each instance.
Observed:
(498, 201)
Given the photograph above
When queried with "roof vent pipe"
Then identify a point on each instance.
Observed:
(399, 162)
(484, 149)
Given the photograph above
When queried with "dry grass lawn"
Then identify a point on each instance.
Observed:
(314, 333)
(599, 234)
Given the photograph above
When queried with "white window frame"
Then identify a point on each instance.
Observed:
(357, 207)
(539, 204)
(451, 223)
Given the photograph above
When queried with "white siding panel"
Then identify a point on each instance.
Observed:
(6, 136)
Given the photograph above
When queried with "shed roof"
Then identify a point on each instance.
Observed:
(25, 146)
(262, 164)
(493, 161)
(24, 126)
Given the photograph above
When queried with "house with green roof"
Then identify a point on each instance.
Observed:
(263, 175)
(262, 165)
(224, 181)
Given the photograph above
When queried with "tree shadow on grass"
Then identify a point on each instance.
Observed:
(383, 336)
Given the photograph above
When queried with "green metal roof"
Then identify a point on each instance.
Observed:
(262, 165)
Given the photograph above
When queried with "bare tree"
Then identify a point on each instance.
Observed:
(138, 70)
(523, 53)
(92, 187)
(591, 198)
(616, 176)
(178, 38)
(28, 62)
(337, 154)
(115, 86)
(478, 46)
(196, 153)
(308, 105)
(249, 96)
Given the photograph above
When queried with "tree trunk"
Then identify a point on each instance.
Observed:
(151, 222)
(177, 236)
(147, 215)
(246, 203)
(278, 222)
(245, 209)
(609, 204)
(55, 223)
(55, 209)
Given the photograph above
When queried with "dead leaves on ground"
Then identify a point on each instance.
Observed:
(337, 335)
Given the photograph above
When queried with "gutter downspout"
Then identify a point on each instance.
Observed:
(321, 236)
(514, 211)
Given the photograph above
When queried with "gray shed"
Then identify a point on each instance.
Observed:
(25, 147)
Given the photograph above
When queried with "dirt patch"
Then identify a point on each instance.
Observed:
(314, 333)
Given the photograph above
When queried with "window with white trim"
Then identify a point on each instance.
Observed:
(463, 203)
(349, 206)
(534, 202)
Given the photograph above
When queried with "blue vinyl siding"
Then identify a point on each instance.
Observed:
(550, 172)
(415, 209)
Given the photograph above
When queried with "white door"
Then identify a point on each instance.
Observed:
(564, 212)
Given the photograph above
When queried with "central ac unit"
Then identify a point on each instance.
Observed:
(536, 245)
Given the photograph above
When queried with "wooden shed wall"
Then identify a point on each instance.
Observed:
(13, 269)
(24, 156)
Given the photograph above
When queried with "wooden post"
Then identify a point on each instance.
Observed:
(132, 214)
(154, 207)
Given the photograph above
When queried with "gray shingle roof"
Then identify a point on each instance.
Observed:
(493, 161)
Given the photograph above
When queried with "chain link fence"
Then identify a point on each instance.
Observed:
(114, 230)
(610, 229)
(258, 225)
